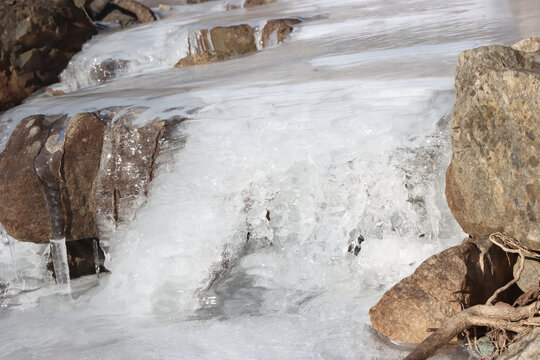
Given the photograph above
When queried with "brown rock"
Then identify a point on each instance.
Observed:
(200, 59)
(127, 165)
(281, 27)
(37, 40)
(233, 40)
(142, 12)
(24, 212)
(80, 164)
(218, 44)
(493, 181)
(441, 286)
(251, 3)
(78, 177)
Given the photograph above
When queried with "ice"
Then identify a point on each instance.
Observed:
(291, 154)
(60, 262)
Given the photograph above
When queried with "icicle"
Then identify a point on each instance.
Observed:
(13, 258)
(60, 262)
(95, 248)
(8, 240)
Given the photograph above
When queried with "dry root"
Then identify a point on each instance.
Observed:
(506, 323)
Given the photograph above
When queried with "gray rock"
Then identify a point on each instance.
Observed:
(527, 348)
(530, 276)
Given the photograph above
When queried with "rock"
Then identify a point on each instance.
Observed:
(163, 7)
(24, 212)
(281, 27)
(525, 349)
(129, 162)
(251, 3)
(195, 1)
(107, 69)
(493, 181)
(530, 276)
(200, 59)
(441, 286)
(77, 177)
(142, 12)
(121, 17)
(233, 40)
(528, 45)
(37, 40)
(221, 43)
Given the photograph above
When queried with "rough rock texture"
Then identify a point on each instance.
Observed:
(281, 27)
(233, 40)
(37, 40)
(127, 165)
(251, 3)
(221, 43)
(142, 12)
(120, 17)
(528, 45)
(202, 58)
(24, 212)
(527, 348)
(530, 276)
(463, 275)
(493, 181)
(62, 176)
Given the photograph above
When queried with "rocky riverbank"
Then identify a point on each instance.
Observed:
(492, 187)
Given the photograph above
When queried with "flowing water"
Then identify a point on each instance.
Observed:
(292, 156)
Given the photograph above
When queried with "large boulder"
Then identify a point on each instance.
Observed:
(37, 40)
(493, 181)
(441, 286)
(79, 176)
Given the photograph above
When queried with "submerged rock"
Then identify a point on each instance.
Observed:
(233, 40)
(107, 69)
(493, 181)
(202, 58)
(38, 39)
(83, 175)
(282, 28)
(221, 43)
(441, 286)
(251, 3)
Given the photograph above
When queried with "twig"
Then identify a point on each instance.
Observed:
(519, 251)
(496, 317)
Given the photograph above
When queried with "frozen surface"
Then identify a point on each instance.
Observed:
(292, 154)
